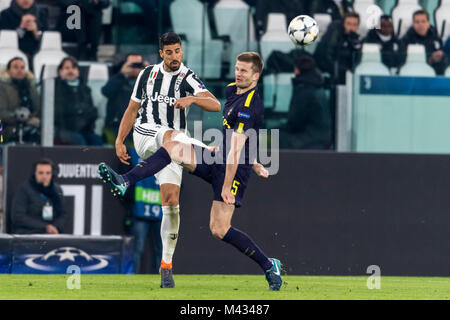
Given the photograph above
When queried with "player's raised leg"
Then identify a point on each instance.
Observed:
(220, 225)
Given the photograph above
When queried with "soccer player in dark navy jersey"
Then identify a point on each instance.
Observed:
(228, 174)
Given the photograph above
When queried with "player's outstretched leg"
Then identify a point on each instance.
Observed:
(273, 275)
(115, 181)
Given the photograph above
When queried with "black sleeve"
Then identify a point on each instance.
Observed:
(19, 216)
(111, 88)
(60, 212)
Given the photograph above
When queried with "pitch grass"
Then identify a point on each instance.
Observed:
(221, 287)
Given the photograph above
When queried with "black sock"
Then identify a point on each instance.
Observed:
(148, 167)
(245, 244)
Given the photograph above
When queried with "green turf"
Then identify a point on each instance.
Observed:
(220, 287)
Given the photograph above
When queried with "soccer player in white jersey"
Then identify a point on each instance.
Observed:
(157, 111)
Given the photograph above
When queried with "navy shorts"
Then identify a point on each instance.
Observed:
(214, 174)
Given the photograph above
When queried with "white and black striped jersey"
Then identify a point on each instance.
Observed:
(157, 90)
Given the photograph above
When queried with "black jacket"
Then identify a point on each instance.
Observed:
(432, 43)
(389, 49)
(11, 18)
(309, 114)
(337, 51)
(74, 108)
(118, 90)
(26, 211)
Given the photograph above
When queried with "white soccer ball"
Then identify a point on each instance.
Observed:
(303, 30)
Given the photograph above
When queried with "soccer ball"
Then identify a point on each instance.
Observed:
(303, 30)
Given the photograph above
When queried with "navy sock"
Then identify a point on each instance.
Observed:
(245, 244)
(148, 167)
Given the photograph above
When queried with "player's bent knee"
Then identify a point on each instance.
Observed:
(218, 231)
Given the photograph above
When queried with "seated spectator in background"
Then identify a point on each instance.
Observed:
(309, 117)
(75, 113)
(447, 47)
(29, 21)
(339, 50)
(389, 43)
(335, 8)
(422, 32)
(38, 204)
(20, 104)
(118, 90)
(88, 36)
(291, 8)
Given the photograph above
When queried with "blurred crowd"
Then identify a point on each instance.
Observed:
(309, 121)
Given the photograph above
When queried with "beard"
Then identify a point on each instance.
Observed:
(171, 67)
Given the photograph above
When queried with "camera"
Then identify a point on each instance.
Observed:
(137, 65)
(22, 114)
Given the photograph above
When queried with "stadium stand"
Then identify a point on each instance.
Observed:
(9, 48)
(50, 53)
(197, 31)
(371, 61)
(442, 17)
(97, 77)
(402, 15)
(416, 64)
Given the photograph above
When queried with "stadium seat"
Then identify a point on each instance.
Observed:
(276, 37)
(269, 90)
(416, 64)
(4, 4)
(232, 19)
(447, 72)
(369, 13)
(97, 77)
(51, 53)
(431, 6)
(386, 5)
(107, 15)
(9, 48)
(193, 29)
(371, 61)
(283, 91)
(403, 13)
(442, 17)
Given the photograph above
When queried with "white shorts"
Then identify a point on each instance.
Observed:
(147, 140)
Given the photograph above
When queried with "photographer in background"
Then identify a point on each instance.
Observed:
(38, 204)
(20, 104)
(339, 49)
(75, 113)
(118, 90)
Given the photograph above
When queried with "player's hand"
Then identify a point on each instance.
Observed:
(227, 196)
(260, 170)
(184, 102)
(121, 152)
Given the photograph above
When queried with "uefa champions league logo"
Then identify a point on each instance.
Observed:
(63, 257)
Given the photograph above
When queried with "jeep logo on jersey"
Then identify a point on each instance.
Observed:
(163, 99)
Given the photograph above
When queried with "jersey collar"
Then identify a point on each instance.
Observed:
(161, 68)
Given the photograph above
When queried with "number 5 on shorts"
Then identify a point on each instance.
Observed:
(234, 187)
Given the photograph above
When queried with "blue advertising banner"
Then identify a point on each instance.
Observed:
(417, 86)
(45, 254)
(5, 253)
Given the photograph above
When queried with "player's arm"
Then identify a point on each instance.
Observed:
(205, 100)
(126, 124)
(260, 170)
(237, 142)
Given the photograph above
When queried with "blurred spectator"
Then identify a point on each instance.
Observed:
(88, 36)
(422, 32)
(146, 223)
(309, 118)
(20, 104)
(291, 8)
(339, 49)
(335, 8)
(387, 40)
(75, 113)
(29, 21)
(118, 90)
(447, 47)
(38, 204)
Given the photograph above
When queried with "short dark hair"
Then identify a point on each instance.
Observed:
(168, 38)
(351, 15)
(385, 17)
(73, 60)
(8, 66)
(305, 64)
(46, 161)
(254, 58)
(420, 12)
